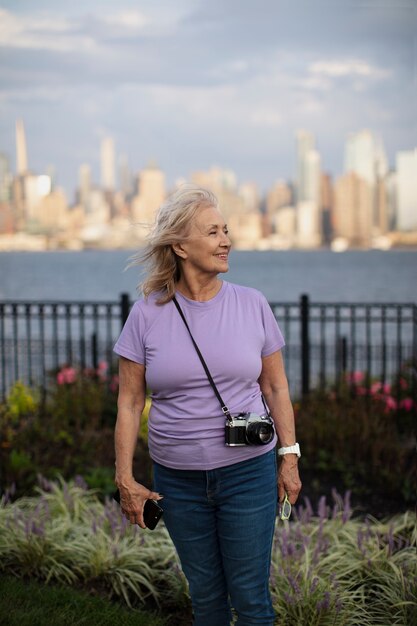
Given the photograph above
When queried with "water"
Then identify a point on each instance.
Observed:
(354, 276)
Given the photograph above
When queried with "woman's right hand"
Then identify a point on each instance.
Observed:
(132, 501)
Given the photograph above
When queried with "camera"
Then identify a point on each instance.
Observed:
(249, 429)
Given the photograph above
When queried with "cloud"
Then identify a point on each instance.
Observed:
(130, 19)
(348, 67)
(193, 82)
(41, 32)
(85, 33)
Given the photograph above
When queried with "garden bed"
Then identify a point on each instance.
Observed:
(327, 567)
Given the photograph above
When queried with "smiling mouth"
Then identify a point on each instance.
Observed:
(223, 256)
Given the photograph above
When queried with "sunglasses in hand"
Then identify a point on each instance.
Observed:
(284, 510)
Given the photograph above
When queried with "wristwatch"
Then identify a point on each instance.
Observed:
(290, 450)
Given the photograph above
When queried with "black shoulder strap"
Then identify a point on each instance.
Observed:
(203, 363)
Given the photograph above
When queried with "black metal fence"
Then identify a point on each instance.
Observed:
(324, 340)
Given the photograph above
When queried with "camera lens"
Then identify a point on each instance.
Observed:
(259, 433)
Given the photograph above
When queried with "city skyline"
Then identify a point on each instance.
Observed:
(201, 84)
(112, 166)
(367, 206)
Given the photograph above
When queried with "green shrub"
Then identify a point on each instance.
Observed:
(362, 434)
(66, 534)
(327, 568)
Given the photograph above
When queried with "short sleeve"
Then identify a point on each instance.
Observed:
(130, 343)
(274, 339)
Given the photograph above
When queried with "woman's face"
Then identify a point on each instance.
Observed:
(207, 247)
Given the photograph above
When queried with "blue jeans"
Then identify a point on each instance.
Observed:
(221, 522)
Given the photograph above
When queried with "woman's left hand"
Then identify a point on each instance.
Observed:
(288, 479)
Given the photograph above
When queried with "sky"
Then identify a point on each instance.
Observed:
(196, 83)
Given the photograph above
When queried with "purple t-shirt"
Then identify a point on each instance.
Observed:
(233, 330)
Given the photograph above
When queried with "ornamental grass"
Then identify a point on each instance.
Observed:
(327, 567)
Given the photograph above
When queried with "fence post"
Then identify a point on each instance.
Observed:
(124, 308)
(341, 359)
(94, 351)
(305, 345)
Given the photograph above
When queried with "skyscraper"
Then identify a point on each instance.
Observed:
(312, 177)
(308, 191)
(21, 153)
(151, 194)
(353, 210)
(126, 183)
(365, 156)
(305, 144)
(107, 164)
(5, 179)
(407, 190)
(84, 186)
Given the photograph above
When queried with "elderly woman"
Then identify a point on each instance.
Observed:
(217, 474)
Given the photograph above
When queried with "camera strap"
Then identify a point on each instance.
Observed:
(203, 363)
(206, 369)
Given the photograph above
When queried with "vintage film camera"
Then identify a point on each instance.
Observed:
(249, 429)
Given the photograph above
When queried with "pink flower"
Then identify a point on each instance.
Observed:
(355, 377)
(390, 403)
(60, 378)
(403, 383)
(102, 370)
(66, 376)
(407, 404)
(386, 388)
(70, 375)
(376, 388)
(361, 391)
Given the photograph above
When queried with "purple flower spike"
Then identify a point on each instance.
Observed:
(44, 484)
(347, 509)
(309, 510)
(289, 599)
(322, 508)
(294, 584)
(39, 531)
(80, 482)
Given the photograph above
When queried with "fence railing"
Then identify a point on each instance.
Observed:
(323, 340)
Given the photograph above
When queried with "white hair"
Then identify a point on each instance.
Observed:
(172, 225)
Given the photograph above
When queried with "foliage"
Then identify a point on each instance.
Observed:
(359, 434)
(20, 402)
(327, 568)
(331, 569)
(67, 535)
(362, 433)
(70, 432)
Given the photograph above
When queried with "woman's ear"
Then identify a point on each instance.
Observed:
(179, 250)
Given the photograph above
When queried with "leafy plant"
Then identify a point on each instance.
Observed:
(327, 567)
(361, 434)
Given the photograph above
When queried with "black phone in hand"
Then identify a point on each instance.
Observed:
(152, 512)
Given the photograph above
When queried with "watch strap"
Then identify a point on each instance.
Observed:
(295, 449)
